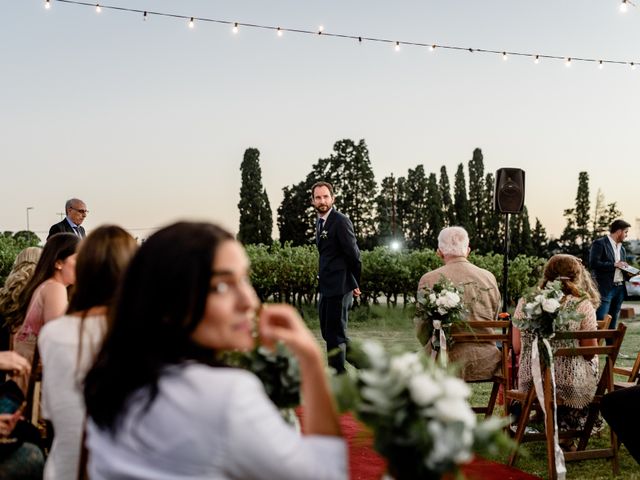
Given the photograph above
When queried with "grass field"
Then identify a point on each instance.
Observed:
(394, 327)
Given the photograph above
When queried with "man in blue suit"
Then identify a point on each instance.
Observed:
(606, 258)
(338, 274)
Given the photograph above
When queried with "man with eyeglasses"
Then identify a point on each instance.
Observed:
(76, 211)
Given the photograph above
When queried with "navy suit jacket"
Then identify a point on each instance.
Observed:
(340, 264)
(64, 227)
(601, 262)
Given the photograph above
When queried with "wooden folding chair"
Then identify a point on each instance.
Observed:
(501, 333)
(632, 375)
(605, 384)
(604, 323)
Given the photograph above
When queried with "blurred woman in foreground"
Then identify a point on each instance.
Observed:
(68, 344)
(161, 406)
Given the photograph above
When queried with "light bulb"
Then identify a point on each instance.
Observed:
(397, 47)
(98, 8)
(192, 23)
(279, 31)
(235, 28)
(320, 29)
(432, 48)
(633, 66)
(537, 59)
(47, 4)
(505, 57)
(144, 16)
(568, 62)
(623, 6)
(600, 65)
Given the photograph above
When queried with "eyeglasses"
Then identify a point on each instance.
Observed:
(80, 210)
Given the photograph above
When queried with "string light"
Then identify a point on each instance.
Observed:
(623, 6)
(98, 9)
(633, 66)
(235, 27)
(505, 57)
(280, 31)
(144, 16)
(397, 47)
(600, 65)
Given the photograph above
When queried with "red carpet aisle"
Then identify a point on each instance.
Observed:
(365, 464)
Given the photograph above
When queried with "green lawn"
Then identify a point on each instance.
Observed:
(394, 327)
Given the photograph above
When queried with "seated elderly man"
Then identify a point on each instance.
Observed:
(477, 361)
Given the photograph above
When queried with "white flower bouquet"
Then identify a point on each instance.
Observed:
(419, 414)
(439, 307)
(545, 313)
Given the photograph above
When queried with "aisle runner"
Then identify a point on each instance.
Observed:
(365, 464)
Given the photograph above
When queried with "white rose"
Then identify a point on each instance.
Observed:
(375, 353)
(423, 389)
(405, 364)
(432, 298)
(454, 410)
(455, 388)
(454, 298)
(550, 305)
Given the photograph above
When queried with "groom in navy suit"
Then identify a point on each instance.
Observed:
(606, 257)
(338, 274)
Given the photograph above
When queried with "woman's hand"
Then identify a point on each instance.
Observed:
(15, 363)
(282, 322)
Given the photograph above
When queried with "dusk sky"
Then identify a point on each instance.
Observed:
(147, 121)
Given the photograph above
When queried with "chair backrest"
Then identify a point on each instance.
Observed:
(500, 332)
(632, 375)
(604, 323)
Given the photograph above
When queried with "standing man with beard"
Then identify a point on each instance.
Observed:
(338, 273)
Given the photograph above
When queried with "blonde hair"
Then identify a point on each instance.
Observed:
(575, 279)
(23, 267)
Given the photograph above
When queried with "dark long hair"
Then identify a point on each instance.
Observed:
(102, 259)
(58, 247)
(161, 302)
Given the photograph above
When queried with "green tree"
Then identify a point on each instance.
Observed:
(435, 220)
(387, 212)
(295, 215)
(526, 240)
(349, 170)
(256, 221)
(539, 240)
(415, 207)
(582, 216)
(476, 197)
(460, 200)
(493, 229)
(447, 202)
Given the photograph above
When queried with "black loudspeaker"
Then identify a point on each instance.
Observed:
(509, 194)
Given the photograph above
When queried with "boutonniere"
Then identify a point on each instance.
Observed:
(323, 234)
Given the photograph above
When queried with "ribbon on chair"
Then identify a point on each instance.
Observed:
(536, 373)
(437, 327)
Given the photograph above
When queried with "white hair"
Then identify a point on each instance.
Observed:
(453, 242)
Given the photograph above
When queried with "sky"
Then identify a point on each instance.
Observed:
(147, 121)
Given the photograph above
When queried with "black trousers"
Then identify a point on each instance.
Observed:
(334, 316)
(620, 410)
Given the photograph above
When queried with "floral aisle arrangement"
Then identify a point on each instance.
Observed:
(439, 307)
(419, 414)
(279, 372)
(544, 314)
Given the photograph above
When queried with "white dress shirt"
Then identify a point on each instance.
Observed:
(617, 247)
(210, 423)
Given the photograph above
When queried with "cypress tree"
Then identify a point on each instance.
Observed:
(435, 220)
(460, 200)
(447, 201)
(476, 197)
(256, 221)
